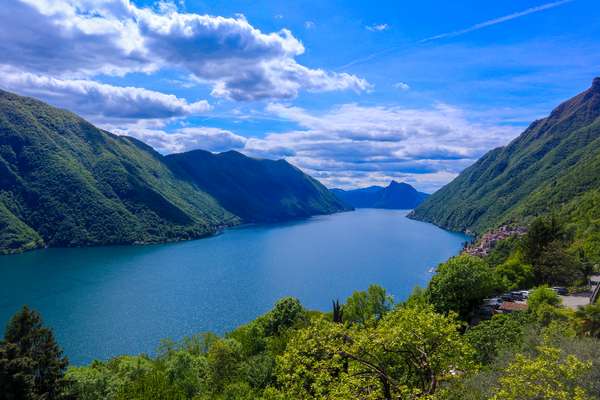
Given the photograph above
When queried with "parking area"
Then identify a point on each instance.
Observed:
(577, 300)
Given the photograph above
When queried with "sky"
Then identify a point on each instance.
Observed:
(355, 93)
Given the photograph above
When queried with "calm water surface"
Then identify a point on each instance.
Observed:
(107, 301)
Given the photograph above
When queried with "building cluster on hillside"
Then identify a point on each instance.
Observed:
(488, 241)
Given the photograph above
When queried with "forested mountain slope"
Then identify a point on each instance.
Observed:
(256, 190)
(64, 182)
(554, 161)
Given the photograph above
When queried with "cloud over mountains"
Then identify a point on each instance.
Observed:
(82, 38)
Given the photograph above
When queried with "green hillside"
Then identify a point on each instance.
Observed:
(256, 190)
(64, 182)
(555, 160)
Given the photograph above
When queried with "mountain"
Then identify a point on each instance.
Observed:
(64, 182)
(554, 161)
(256, 190)
(394, 196)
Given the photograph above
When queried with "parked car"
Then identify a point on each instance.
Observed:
(507, 297)
(561, 290)
(494, 302)
(518, 295)
(525, 293)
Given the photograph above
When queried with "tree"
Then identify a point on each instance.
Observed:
(547, 376)
(406, 354)
(502, 332)
(224, 361)
(542, 231)
(338, 312)
(461, 284)
(588, 320)
(362, 307)
(32, 341)
(555, 266)
(516, 274)
(286, 313)
(540, 296)
(16, 374)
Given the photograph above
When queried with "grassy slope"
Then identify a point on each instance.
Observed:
(555, 160)
(256, 190)
(71, 184)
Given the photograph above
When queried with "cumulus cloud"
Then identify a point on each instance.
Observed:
(377, 27)
(99, 101)
(83, 38)
(352, 145)
(185, 139)
(402, 86)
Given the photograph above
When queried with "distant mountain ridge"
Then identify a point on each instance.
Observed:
(256, 190)
(394, 196)
(554, 161)
(64, 182)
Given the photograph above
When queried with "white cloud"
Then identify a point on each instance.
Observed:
(377, 27)
(402, 86)
(309, 24)
(99, 101)
(83, 38)
(353, 145)
(185, 139)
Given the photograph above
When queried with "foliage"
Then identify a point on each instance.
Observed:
(408, 353)
(546, 376)
(588, 323)
(541, 296)
(460, 284)
(31, 363)
(515, 273)
(286, 313)
(501, 333)
(363, 307)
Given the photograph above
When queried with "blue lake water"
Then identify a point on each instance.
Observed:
(107, 301)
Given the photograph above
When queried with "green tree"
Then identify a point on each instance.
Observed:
(542, 295)
(516, 274)
(547, 376)
(28, 340)
(588, 320)
(503, 332)
(286, 313)
(16, 374)
(407, 354)
(224, 362)
(362, 307)
(542, 231)
(460, 284)
(555, 266)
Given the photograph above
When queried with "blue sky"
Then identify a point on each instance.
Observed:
(354, 92)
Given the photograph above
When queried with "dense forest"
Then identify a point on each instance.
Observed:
(430, 346)
(64, 182)
(556, 160)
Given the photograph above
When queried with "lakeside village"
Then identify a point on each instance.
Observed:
(516, 301)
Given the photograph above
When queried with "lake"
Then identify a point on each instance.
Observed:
(107, 301)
